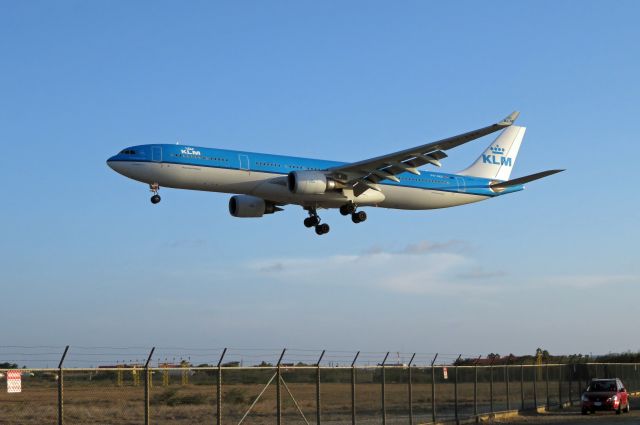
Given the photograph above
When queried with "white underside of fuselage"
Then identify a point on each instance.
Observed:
(273, 187)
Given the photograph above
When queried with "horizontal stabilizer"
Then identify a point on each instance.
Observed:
(497, 187)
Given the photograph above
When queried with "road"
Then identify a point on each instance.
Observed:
(574, 417)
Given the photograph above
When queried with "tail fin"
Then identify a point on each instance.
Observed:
(500, 157)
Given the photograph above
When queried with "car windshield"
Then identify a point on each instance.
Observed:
(602, 386)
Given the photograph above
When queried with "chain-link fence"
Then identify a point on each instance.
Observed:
(380, 394)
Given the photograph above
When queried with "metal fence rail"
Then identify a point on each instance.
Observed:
(385, 393)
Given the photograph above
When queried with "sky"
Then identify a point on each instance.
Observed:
(86, 260)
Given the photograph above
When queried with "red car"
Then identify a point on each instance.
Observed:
(605, 394)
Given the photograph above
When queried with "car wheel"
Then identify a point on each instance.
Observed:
(627, 408)
(619, 410)
(585, 411)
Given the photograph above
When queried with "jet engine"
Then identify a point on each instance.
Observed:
(309, 183)
(250, 206)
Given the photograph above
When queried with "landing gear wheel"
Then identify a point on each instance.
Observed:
(358, 217)
(311, 221)
(347, 209)
(154, 188)
(323, 228)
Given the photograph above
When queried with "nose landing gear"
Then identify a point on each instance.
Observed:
(154, 189)
(314, 221)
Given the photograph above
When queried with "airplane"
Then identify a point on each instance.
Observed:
(264, 183)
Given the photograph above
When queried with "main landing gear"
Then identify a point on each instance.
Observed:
(154, 189)
(356, 216)
(314, 221)
(347, 209)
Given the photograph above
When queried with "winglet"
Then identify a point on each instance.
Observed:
(510, 119)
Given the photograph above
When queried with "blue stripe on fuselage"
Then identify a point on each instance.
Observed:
(282, 165)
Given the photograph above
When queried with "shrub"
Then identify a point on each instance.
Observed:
(234, 396)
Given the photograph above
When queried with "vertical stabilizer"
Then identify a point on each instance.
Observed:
(500, 157)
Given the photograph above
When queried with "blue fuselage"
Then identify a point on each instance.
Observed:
(279, 165)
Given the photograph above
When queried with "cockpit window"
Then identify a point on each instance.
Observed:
(128, 152)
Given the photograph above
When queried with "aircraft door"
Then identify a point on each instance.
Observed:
(462, 187)
(156, 153)
(244, 162)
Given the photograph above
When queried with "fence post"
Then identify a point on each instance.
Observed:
(572, 370)
(535, 385)
(475, 388)
(219, 389)
(506, 378)
(384, 406)
(455, 388)
(147, 378)
(433, 389)
(546, 378)
(410, 390)
(491, 383)
(522, 385)
(61, 387)
(318, 420)
(353, 389)
(560, 380)
(279, 390)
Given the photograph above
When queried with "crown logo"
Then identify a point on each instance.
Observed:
(497, 150)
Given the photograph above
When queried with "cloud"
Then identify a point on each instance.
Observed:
(424, 247)
(586, 281)
(273, 267)
(420, 268)
(481, 273)
(427, 246)
(425, 267)
(188, 243)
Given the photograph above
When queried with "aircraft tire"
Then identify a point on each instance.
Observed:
(358, 217)
(323, 228)
(155, 199)
(347, 209)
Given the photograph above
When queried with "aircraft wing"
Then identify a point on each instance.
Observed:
(365, 175)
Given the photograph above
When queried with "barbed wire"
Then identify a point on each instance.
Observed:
(101, 355)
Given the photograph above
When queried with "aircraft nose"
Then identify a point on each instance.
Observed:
(117, 165)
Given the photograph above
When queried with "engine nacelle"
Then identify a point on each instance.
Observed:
(250, 206)
(309, 182)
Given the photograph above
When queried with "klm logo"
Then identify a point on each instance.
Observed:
(189, 151)
(496, 157)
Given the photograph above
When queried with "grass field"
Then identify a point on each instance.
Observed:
(104, 402)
